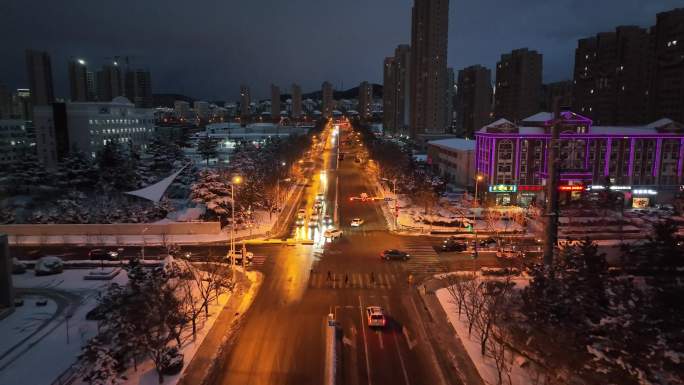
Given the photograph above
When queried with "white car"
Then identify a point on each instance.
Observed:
(237, 256)
(356, 222)
(375, 316)
(327, 220)
(332, 233)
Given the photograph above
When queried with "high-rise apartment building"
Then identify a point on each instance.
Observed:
(395, 94)
(78, 80)
(138, 87)
(561, 90)
(611, 76)
(275, 102)
(39, 70)
(365, 100)
(518, 84)
(473, 100)
(109, 83)
(201, 109)
(429, 31)
(91, 89)
(6, 110)
(450, 99)
(668, 65)
(296, 101)
(245, 100)
(181, 108)
(327, 99)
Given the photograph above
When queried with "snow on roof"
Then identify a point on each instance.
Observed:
(495, 123)
(154, 192)
(454, 144)
(660, 122)
(542, 116)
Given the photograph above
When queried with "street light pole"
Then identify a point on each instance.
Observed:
(477, 182)
(236, 180)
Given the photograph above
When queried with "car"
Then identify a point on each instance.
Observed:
(327, 220)
(357, 160)
(48, 265)
(356, 222)
(313, 221)
(238, 256)
(103, 254)
(394, 254)
(332, 233)
(318, 206)
(341, 156)
(320, 197)
(454, 245)
(301, 213)
(487, 242)
(375, 316)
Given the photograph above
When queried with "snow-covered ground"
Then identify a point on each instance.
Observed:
(33, 347)
(485, 365)
(44, 353)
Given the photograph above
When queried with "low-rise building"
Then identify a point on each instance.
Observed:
(454, 158)
(644, 162)
(88, 126)
(13, 140)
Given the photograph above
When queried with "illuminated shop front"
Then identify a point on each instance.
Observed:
(648, 156)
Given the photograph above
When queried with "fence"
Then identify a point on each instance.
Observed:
(173, 228)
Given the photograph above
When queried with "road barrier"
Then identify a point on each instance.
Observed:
(172, 228)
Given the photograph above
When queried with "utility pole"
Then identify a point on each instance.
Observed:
(551, 215)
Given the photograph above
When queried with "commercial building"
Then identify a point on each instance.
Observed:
(454, 159)
(275, 102)
(473, 100)
(109, 83)
(611, 77)
(327, 102)
(396, 91)
(13, 140)
(429, 32)
(668, 65)
(296, 101)
(6, 108)
(182, 109)
(88, 126)
(39, 71)
(138, 87)
(201, 109)
(78, 80)
(643, 161)
(518, 84)
(450, 99)
(365, 98)
(245, 101)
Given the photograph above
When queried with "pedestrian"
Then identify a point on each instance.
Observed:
(329, 278)
(346, 279)
(410, 280)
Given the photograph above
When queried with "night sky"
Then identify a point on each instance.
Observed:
(205, 49)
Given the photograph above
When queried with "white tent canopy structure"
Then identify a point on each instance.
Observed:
(154, 192)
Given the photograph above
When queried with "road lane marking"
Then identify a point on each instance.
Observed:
(411, 344)
(365, 343)
(382, 346)
(401, 359)
(423, 332)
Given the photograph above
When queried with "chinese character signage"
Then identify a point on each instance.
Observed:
(503, 188)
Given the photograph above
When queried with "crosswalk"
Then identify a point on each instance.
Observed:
(424, 258)
(383, 281)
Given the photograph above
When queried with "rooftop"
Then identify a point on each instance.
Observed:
(454, 144)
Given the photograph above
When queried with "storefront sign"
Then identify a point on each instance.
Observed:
(527, 187)
(503, 188)
(574, 187)
(640, 203)
(644, 192)
(601, 187)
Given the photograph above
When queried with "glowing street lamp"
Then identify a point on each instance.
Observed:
(237, 179)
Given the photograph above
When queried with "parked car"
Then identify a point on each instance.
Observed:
(394, 254)
(98, 254)
(356, 222)
(454, 245)
(327, 220)
(320, 197)
(332, 233)
(18, 267)
(49, 265)
(375, 316)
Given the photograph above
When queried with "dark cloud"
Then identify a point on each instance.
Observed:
(207, 48)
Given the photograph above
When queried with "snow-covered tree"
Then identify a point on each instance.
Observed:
(98, 366)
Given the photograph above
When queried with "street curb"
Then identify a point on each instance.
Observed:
(204, 369)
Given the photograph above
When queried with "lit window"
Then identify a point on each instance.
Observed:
(591, 91)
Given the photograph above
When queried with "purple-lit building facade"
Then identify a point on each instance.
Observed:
(644, 161)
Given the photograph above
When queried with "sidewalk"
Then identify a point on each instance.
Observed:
(452, 355)
(206, 361)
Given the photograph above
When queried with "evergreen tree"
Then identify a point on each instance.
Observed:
(208, 147)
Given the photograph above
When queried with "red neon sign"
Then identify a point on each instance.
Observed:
(524, 187)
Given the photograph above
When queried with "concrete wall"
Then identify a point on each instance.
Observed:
(179, 228)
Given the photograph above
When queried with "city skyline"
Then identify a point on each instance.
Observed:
(201, 67)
